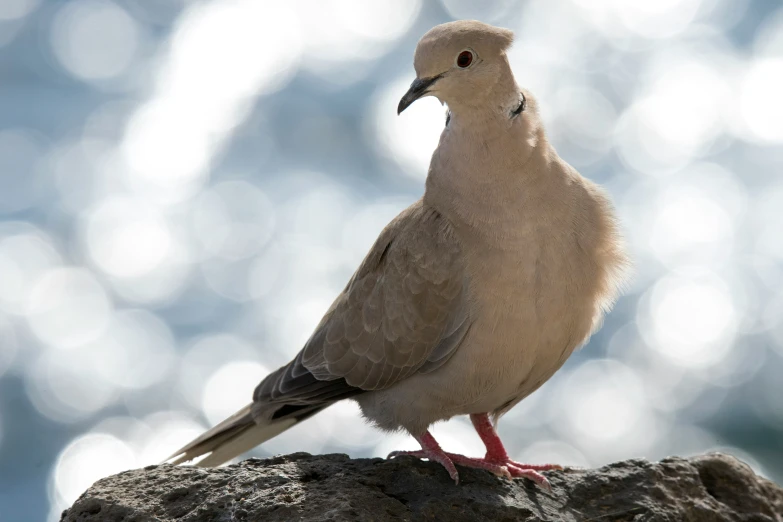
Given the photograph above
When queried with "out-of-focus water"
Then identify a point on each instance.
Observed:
(186, 185)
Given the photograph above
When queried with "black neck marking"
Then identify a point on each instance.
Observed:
(522, 105)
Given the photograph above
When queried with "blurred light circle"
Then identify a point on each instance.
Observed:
(88, 458)
(94, 39)
(660, 19)
(25, 255)
(160, 286)
(230, 388)
(76, 166)
(761, 103)
(410, 138)
(15, 9)
(145, 249)
(582, 124)
(318, 214)
(689, 221)
(20, 177)
(68, 307)
(233, 220)
(230, 279)
(380, 20)
(605, 401)
(692, 318)
(487, 11)
(265, 273)
(60, 388)
(206, 354)
(357, 31)
(127, 238)
(688, 96)
(135, 352)
(695, 216)
(663, 19)
(677, 118)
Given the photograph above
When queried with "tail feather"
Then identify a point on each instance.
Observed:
(284, 398)
(232, 437)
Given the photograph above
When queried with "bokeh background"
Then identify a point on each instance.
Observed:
(186, 185)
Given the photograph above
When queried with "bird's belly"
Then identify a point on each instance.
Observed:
(511, 349)
(505, 364)
(523, 334)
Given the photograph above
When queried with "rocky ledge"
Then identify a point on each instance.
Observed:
(712, 487)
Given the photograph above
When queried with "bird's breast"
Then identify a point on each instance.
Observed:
(534, 306)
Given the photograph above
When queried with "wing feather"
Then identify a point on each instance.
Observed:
(403, 311)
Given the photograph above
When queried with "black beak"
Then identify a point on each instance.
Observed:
(418, 89)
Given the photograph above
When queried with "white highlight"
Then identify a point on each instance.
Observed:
(68, 307)
(410, 138)
(94, 39)
(127, 238)
(230, 388)
(221, 56)
(87, 459)
(760, 100)
(694, 319)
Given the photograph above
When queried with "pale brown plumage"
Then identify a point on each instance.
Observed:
(472, 297)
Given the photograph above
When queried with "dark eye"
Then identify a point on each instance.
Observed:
(464, 59)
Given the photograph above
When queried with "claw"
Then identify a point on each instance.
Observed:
(496, 461)
(434, 455)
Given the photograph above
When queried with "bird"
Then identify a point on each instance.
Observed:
(472, 297)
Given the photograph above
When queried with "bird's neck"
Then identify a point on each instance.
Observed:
(489, 166)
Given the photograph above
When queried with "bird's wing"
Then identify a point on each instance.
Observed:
(404, 311)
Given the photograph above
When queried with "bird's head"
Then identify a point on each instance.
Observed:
(459, 63)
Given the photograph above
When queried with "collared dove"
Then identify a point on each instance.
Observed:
(473, 296)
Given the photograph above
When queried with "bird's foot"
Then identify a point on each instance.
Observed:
(530, 471)
(498, 456)
(435, 456)
(502, 468)
(507, 468)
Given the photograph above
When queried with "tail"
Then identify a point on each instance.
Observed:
(284, 398)
(232, 437)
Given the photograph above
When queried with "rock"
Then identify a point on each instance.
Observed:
(712, 487)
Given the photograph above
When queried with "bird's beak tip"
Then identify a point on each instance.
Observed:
(417, 90)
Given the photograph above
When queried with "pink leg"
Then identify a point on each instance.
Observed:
(497, 454)
(496, 460)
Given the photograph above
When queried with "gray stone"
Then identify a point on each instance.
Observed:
(710, 488)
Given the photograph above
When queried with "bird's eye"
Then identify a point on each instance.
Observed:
(464, 59)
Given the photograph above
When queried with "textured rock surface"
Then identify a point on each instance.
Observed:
(334, 487)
